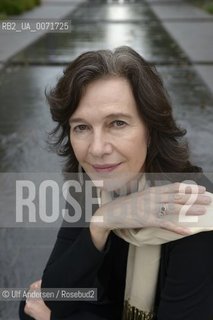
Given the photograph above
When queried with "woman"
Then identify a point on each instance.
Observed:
(115, 126)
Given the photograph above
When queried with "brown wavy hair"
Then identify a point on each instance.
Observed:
(167, 152)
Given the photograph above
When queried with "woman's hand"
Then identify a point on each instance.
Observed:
(142, 209)
(35, 307)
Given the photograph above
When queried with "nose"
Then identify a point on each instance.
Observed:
(100, 144)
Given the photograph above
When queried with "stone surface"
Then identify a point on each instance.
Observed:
(12, 42)
(187, 35)
(182, 11)
(191, 28)
(206, 73)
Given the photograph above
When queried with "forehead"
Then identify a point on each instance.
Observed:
(106, 95)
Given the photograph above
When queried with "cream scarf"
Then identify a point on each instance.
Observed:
(144, 257)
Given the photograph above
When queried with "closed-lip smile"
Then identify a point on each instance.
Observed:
(105, 167)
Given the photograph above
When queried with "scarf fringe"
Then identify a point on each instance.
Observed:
(132, 313)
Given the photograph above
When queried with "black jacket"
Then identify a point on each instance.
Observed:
(185, 280)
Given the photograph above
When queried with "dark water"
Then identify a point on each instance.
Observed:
(97, 26)
(25, 119)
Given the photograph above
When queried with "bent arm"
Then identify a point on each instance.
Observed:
(74, 263)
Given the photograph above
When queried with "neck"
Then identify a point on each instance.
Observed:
(130, 187)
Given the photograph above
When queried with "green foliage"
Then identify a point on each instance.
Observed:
(203, 4)
(13, 7)
(3, 16)
(209, 8)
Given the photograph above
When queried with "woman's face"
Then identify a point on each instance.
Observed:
(107, 135)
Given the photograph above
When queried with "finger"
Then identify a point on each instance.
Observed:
(26, 308)
(192, 199)
(187, 209)
(38, 284)
(179, 187)
(181, 198)
(177, 229)
(177, 209)
(32, 286)
(194, 209)
(35, 284)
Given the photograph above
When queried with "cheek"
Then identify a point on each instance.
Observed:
(79, 148)
(139, 150)
(139, 141)
(76, 146)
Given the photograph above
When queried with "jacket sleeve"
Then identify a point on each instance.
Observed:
(188, 287)
(75, 262)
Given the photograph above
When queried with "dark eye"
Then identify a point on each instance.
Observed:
(119, 123)
(80, 128)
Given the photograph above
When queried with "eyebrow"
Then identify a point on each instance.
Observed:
(112, 115)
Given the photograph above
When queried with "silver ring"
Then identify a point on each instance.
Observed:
(163, 210)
